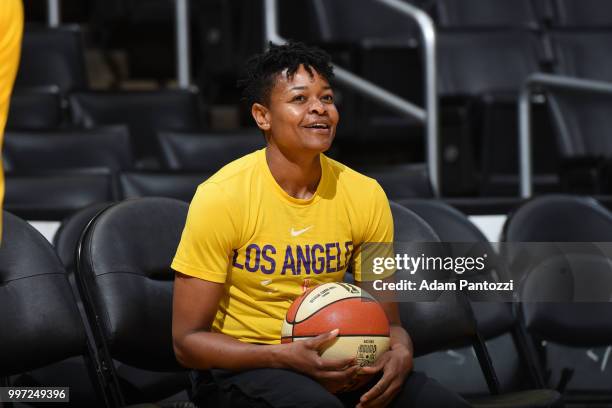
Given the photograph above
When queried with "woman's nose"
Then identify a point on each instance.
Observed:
(317, 107)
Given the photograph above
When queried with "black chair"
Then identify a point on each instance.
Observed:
(486, 14)
(37, 108)
(144, 112)
(206, 152)
(496, 322)
(582, 13)
(181, 186)
(125, 280)
(102, 148)
(52, 56)
(448, 322)
(53, 195)
(43, 337)
(401, 181)
(569, 329)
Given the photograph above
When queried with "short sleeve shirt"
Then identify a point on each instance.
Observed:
(244, 231)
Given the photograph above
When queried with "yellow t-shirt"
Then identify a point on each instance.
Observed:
(11, 30)
(245, 231)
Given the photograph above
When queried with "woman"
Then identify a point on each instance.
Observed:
(265, 228)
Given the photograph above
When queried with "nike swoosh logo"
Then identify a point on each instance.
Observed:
(295, 233)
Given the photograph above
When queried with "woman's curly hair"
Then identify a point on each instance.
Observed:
(261, 70)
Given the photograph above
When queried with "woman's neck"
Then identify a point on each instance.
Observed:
(298, 175)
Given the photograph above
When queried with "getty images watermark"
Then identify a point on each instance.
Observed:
(512, 272)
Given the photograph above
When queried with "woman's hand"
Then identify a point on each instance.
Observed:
(395, 364)
(304, 356)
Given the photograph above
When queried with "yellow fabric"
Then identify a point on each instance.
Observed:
(245, 231)
(11, 30)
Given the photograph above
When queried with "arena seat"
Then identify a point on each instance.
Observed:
(571, 331)
(102, 148)
(52, 56)
(178, 185)
(144, 112)
(52, 195)
(495, 319)
(448, 322)
(486, 14)
(125, 280)
(42, 330)
(206, 152)
(583, 13)
(35, 108)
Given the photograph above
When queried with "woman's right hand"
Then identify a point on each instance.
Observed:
(304, 356)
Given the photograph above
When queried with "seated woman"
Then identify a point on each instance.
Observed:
(264, 229)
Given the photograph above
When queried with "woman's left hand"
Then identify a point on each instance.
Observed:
(395, 364)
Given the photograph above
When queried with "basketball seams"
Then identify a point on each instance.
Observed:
(328, 305)
(295, 309)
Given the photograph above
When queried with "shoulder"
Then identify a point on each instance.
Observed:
(222, 189)
(236, 171)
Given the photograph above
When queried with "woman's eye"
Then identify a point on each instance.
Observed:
(299, 98)
(328, 98)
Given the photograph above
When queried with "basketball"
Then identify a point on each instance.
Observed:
(362, 323)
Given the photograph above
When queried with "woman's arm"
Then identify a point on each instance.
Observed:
(194, 307)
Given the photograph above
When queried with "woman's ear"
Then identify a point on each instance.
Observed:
(261, 114)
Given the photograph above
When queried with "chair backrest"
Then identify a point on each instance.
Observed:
(206, 152)
(559, 218)
(53, 195)
(37, 108)
(559, 281)
(450, 224)
(181, 186)
(433, 325)
(144, 112)
(66, 238)
(102, 148)
(40, 319)
(475, 62)
(486, 13)
(581, 122)
(583, 54)
(401, 181)
(583, 13)
(126, 282)
(52, 56)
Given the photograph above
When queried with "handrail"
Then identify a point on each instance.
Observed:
(181, 26)
(427, 116)
(540, 80)
(53, 13)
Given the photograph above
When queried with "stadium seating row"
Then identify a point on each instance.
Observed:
(118, 279)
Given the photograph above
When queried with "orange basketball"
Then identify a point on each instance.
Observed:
(362, 323)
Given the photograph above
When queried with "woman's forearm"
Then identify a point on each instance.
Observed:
(204, 350)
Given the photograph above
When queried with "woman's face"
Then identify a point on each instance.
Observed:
(301, 114)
